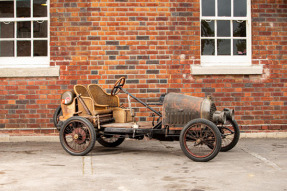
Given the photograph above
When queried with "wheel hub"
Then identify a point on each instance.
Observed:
(79, 135)
(198, 141)
(76, 136)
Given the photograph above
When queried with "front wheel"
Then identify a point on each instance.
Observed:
(77, 136)
(110, 141)
(200, 140)
(230, 134)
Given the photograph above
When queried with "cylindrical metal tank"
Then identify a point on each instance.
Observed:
(179, 109)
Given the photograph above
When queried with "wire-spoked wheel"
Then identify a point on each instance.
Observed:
(110, 141)
(77, 136)
(200, 140)
(230, 134)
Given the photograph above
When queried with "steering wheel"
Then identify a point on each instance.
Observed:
(120, 83)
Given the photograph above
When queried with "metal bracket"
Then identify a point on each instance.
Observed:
(84, 104)
(98, 120)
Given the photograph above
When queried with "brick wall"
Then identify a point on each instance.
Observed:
(145, 40)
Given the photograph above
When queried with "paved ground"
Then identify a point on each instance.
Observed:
(254, 164)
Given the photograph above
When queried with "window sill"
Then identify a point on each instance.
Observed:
(29, 72)
(226, 70)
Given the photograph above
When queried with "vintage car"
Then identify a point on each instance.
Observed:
(88, 114)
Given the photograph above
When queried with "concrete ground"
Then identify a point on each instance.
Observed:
(254, 164)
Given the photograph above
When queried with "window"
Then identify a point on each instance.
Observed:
(24, 33)
(225, 32)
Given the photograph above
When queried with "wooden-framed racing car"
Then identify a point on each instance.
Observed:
(89, 114)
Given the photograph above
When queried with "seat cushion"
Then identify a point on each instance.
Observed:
(102, 112)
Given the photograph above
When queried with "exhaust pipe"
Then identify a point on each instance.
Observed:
(219, 117)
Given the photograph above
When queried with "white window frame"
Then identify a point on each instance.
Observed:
(27, 62)
(228, 60)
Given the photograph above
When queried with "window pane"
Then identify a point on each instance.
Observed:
(207, 28)
(6, 48)
(239, 47)
(240, 8)
(223, 28)
(207, 47)
(23, 48)
(6, 30)
(6, 9)
(239, 28)
(23, 8)
(40, 29)
(40, 8)
(24, 29)
(40, 48)
(224, 8)
(208, 7)
(223, 47)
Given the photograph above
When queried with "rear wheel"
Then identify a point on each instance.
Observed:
(230, 134)
(58, 112)
(200, 140)
(77, 136)
(110, 141)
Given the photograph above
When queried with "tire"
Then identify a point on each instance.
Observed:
(58, 112)
(77, 136)
(230, 134)
(110, 141)
(200, 133)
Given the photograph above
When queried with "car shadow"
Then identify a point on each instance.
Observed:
(126, 149)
